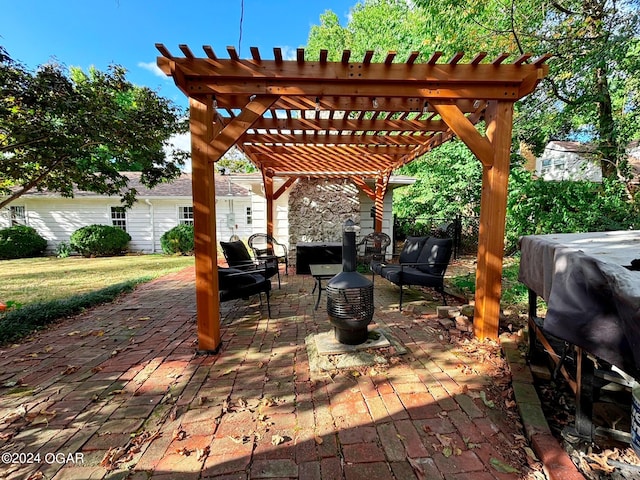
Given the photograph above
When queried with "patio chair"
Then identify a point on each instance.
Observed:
(423, 262)
(238, 256)
(264, 244)
(373, 247)
(234, 283)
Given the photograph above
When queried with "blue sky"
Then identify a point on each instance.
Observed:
(124, 32)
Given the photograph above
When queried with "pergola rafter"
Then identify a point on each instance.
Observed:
(356, 119)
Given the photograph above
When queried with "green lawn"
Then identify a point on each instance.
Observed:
(31, 280)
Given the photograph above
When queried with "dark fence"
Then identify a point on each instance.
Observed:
(463, 230)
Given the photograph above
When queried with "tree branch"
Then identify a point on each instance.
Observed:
(563, 9)
(30, 185)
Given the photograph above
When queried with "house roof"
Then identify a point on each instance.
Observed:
(570, 147)
(180, 187)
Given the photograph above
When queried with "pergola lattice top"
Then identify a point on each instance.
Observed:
(348, 118)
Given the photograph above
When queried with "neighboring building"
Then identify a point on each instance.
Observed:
(569, 161)
(156, 210)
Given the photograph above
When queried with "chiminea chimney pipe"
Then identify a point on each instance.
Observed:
(349, 247)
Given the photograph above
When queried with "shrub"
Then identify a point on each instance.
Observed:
(21, 242)
(537, 207)
(99, 240)
(178, 240)
(63, 250)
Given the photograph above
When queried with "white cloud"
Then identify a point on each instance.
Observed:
(183, 142)
(289, 53)
(153, 68)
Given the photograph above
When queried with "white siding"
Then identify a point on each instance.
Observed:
(367, 223)
(558, 163)
(57, 218)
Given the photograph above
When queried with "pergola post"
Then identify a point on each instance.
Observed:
(493, 209)
(382, 183)
(204, 214)
(267, 180)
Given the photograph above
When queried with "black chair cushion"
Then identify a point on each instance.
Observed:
(435, 253)
(411, 249)
(232, 278)
(234, 284)
(236, 252)
(410, 276)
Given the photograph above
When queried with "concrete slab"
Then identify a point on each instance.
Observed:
(326, 343)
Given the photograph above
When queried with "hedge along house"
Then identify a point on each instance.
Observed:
(156, 210)
(348, 119)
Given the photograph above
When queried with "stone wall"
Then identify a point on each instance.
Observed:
(318, 208)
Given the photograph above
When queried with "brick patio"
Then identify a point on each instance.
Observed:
(121, 392)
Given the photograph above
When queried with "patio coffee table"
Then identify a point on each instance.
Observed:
(323, 271)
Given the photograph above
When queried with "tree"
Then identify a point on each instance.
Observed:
(447, 184)
(63, 130)
(591, 92)
(379, 25)
(234, 161)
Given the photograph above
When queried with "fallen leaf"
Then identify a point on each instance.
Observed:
(202, 453)
(179, 434)
(318, 440)
(239, 439)
(502, 467)
(487, 402)
(183, 451)
(417, 468)
(444, 440)
(70, 369)
(447, 451)
(530, 453)
(277, 439)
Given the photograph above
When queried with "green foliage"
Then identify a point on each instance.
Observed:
(63, 250)
(62, 131)
(21, 241)
(536, 206)
(447, 184)
(15, 324)
(178, 240)
(234, 161)
(99, 240)
(379, 25)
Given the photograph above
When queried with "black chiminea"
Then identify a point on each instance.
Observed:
(350, 295)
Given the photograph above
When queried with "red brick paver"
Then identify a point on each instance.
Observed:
(121, 392)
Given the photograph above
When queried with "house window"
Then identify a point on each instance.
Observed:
(249, 216)
(119, 218)
(185, 215)
(18, 215)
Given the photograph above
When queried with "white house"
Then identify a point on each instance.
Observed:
(568, 161)
(155, 211)
(240, 211)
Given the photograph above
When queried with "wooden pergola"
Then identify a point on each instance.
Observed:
(356, 119)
